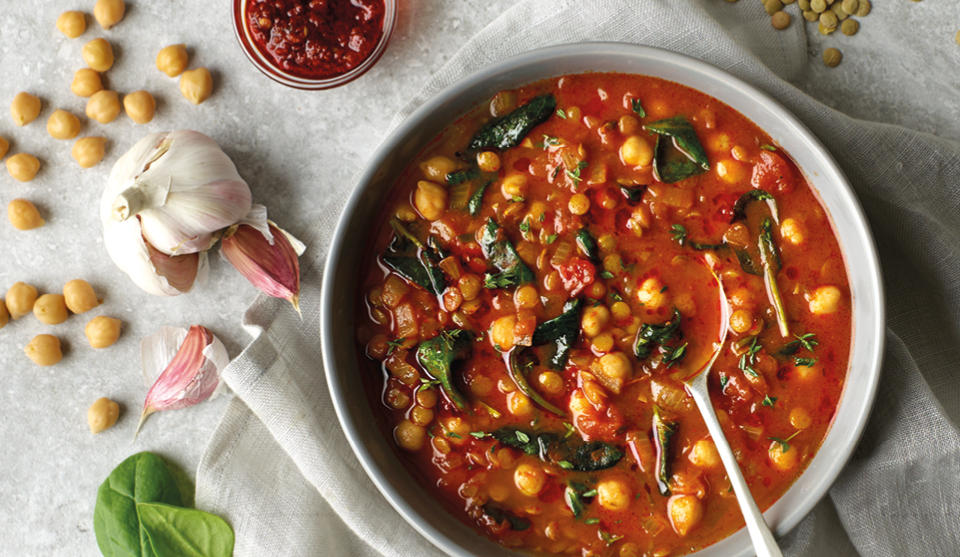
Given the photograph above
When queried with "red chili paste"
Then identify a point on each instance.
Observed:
(316, 38)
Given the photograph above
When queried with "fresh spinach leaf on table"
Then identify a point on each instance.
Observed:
(178, 532)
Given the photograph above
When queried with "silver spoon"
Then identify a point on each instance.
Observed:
(760, 534)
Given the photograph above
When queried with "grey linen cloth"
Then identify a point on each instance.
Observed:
(280, 470)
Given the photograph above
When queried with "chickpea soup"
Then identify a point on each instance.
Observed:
(544, 277)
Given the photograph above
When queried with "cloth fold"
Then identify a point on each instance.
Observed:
(280, 469)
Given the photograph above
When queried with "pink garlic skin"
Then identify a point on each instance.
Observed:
(273, 268)
(188, 379)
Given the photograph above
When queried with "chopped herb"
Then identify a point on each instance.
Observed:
(766, 147)
(525, 226)
(806, 341)
(565, 464)
(479, 434)
(609, 538)
(679, 233)
(592, 521)
(454, 435)
(769, 400)
(806, 362)
(784, 445)
(674, 355)
(550, 141)
(606, 274)
(556, 171)
(749, 358)
(497, 346)
(542, 216)
(502, 255)
(616, 296)
(591, 493)
(552, 238)
(664, 289)
(651, 335)
(394, 344)
(724, 379)
(492, 411)
(575, 173)
(638, 108)
(561, 113)
(569, 428)
(522, 437)
(516, 199)
(427, 383)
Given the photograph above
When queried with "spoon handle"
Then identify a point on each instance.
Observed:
(763, 540)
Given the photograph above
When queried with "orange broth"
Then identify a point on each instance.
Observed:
(775, 395)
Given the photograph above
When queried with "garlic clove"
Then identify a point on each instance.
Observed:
(180, 271)
(184, 367)
(268, 260)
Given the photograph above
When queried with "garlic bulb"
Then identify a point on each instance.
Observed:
(166, 202)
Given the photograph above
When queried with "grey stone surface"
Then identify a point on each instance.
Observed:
(288, 145)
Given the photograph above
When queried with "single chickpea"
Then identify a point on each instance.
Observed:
(620, 311)
(628, 125)
(686, 512)
(4, 314)
(579, 204)
(613, 495)
(825, 300)
(20, 299)
(172, 60)
(436, 168)
(109, 12)
(519, 404)
(406, 213)
(530, 479)
(410, 436)
(397, 399)
(72, 24)
(550, 383)
(51, 309)
(86, 82)
(427, 398)
(800, 418)
(470, 286)
(783, 458)
(103, 106)
(704, 454)
(594, 319)
(98, 54)
(25, 108)
(602, 343)
(4, 147)
(63, 125)
(501, 332)
(23, 167)
(652, 294)
(636, 151)
(741, 321)
(526, 297)
(88, 151)
(102, 414)
(430, 199)
(481, 385)
(196, 85)
(24, 215)
(488, 161)
(102, 331)
(139, 106)
(44, 350)
(792, 231)
(421, 416)
(79, 296)
(615, 367)
(731, 171)
(514, 186)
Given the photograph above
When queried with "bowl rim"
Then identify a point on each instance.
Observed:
(267, 68)
(869, 327)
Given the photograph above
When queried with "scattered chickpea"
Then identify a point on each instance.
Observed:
(782, 459)
(51, 309)
(4, 314)
(825, 300)
(23, 167)
(550, 383)
(98, 54)
(514, 186)
(72, 24)
(139, 106)
(437, 168)
(20, 299)
(832, 57)
(731, 171)
(102, 331)
(686, 512)
(792, 231)
(88, 151)
(594, 319)
(63, 125)
(102, 414)
(172, 60)
(488, 161)
(24, 215)
(196, 85)
(25, 108)
(620, 311)
(704, 454)
(602, 343)
(780, 20)
(470, 286)
(613, 495)
(530, 479)
(4, 147)
(421, 416)
(628, 124)
(526, 297)
(44, 350)
(79, 296)
(741, 321)
(410, 436)
(616, 369)
(800, 418)
(427, 398)
(652, 295)
(86, 82)
(636, 151)
(501, 332)
(103, 106)
(430, 199)
(406, 213)
(579, 204)
(519, 404)
(109, 12)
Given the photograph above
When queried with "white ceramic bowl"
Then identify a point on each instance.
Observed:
(340, 280)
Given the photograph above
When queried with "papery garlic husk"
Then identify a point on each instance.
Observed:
(183, 367)
(181, 187)
(265, 255)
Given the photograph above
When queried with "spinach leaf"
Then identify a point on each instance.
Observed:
(562, 331)
(184, 483)
(594, 456)
(549, 447)
(663, 430)
(740, 207)
(437, 356)
(501, 516)
(651, 335)
(501, 254)
(633, 194)
(476, 200)
(700, 247)
(746, 261)
(588, 245)
(681, 158)
(516, 371)
(769, 257)
(510, 130)
(142, 478)
(177, 532)
(413, 260)
(461, 176)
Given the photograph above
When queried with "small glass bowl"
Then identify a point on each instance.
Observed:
(267, 66)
